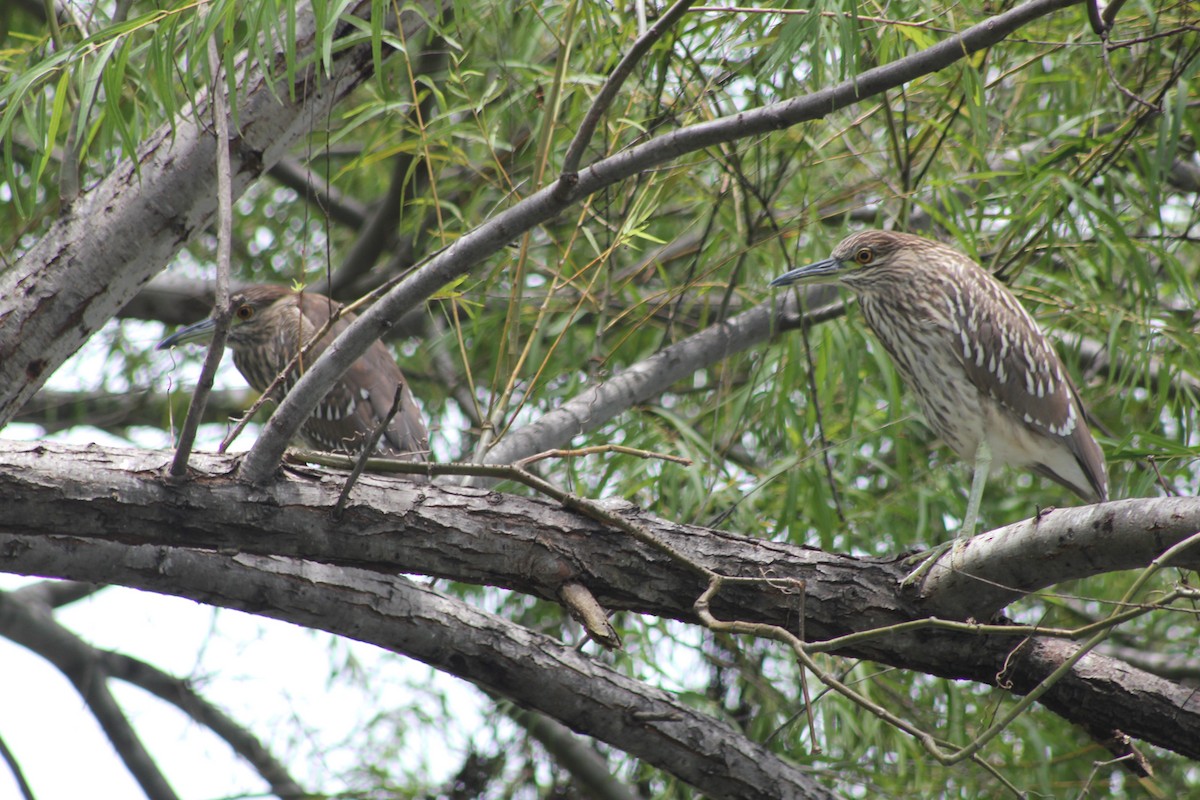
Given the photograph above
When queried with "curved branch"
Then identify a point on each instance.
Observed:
(35, 629)
(14, 767)
(616, 80)
(399, 615)
(180, 694)
(996, 568)
(30, 624)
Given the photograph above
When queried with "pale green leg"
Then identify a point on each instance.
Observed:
(983, 463)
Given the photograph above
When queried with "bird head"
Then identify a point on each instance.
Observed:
(861, 259)
(249, 322)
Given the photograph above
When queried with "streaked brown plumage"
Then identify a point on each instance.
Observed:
(270, 323)
(979, 366)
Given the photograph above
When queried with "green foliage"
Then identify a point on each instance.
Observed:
(1026, 156)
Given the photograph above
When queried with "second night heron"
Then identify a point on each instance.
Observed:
(989, 383)
(271, 323)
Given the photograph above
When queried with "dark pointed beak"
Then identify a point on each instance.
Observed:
(820, 272)
(200, 332)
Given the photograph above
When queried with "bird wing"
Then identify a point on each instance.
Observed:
(358, 403)
(360, 400)
(1007, 357)
(406, 436)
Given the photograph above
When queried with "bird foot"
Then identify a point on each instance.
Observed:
(930, 557)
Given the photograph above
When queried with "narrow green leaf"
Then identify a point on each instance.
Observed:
(56, 115)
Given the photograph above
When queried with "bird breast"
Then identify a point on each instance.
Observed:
(926, 350)
(261, 362)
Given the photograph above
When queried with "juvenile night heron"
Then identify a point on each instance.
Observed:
(989, 383)
(270, 323)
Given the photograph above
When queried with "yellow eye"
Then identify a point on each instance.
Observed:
(244, 313)
(864, 256)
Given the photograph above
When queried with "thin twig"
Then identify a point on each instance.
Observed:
(14, 767)
(1112, 76)
(1152, 462)
(1150, 37)
(616, 79)
(900, 23)
(191, 423)
(602, 448)
(360, 462)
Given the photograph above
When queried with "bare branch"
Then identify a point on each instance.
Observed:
(14, 767)
(1000, 566)
(27, 622)
(616, 80)
(180, 693)
(224, 312)
(35, 629)
(489, 538)
(529, 668)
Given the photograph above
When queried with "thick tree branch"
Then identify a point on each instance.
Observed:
(534, 547)
(399, 615)
(998, 567)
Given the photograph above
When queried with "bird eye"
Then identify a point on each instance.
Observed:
(864, 256)
(244, 313)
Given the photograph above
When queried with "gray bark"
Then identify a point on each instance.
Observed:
(128, 524)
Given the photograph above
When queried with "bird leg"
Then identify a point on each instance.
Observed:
(983, 463)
